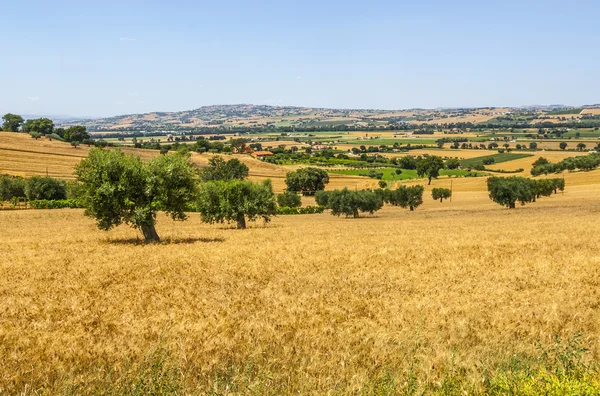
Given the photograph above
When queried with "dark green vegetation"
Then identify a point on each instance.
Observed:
(507, 191)
(492, 159)
(289, 199)
(404, 196)
(306, 181)
(584, 163)
(45, 127)
(236, 200)
(566, 111)
(219, 169)
(16, 189)
(117, 189)
(391, 174)
(441, 194)
(349, 203)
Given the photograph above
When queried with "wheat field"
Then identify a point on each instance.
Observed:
(443, 300)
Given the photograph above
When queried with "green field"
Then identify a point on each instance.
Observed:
(389, 174)
(390, 142)
(498, 158)
(565, 112)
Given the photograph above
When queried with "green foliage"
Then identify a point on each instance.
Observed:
(75, 133)
(441, 193)
(349, 203)
(452, 163)
(430, 167)
(219, 169)
(236, 200)
(289, 199)
(307, 180)
(540, 161)
(322, 198)
(38, 187)
(585, 163)
(373, 174)
(117, 188)
(563, 145)
(507, 191)
(405, 196)
(11, 188)
(497, 159)
(12, 122)
(285, 210)
(40, 126)
(55, 204)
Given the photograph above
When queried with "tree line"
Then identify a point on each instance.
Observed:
(39, 127)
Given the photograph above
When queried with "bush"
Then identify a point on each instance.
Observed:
(349, 203)
(285, 210)
(55, 204)
(441, 193)
(11, 188)
(405, 197)
(289, 199)
(45, 188)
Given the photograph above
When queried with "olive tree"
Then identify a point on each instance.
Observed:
(38, 187)
(349, 202)
(307, 180)
(507, 191)
(289, 199)
(219, 169)
(405, 196)
(430, 167)
(117, 188)
(236, 200)
(441, 193)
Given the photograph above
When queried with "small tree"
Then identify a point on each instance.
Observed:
(507, 191)
(49, 188)
(441, 194)
(405, 197)
(42, 126)
(117, 188)
(236, 200)
(382, 184)
(349, 203)
(452, 163)
(307, 180)
(12, 122)
(533, 145)
(11, 187)
(581, 146)
(289, 199)
(219, 169)
(563, 145)
(77, 133)
(430, 167)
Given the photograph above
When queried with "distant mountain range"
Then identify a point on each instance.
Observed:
(242, 116)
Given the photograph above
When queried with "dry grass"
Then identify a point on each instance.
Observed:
(307, 303)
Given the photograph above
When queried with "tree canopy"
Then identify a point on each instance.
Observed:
(430, 167)
(405, 196)
(441, 193)
(236, 200)
(12, 122)
(219, 169)
(307, 180)
(117, 188)
(349, 203)
(43, 126)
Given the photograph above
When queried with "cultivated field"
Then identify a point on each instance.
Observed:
(444, 295)
(456, 297)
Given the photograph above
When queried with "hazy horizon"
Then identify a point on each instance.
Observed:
(108, 59)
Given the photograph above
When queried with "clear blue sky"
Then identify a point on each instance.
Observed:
(96, 58)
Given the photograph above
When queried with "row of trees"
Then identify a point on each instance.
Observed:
(507, 191)
(39, 127)
(586, 163)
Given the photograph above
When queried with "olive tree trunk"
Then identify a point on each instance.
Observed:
(241, 221)
(150, 234)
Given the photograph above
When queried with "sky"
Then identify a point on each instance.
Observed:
(102, 58)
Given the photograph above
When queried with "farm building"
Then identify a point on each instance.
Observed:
(261, 154)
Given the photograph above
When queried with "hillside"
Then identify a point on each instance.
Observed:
(247, 116)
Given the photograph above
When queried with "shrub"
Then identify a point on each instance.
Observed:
(441, 193)
(11, 188)
(285, 210)
(289, 199)
(48, 188)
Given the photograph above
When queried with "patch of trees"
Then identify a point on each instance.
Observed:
(507, 191)
(584, 163)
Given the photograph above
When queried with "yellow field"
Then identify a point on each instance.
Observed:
(437, 300)
(304, 304)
